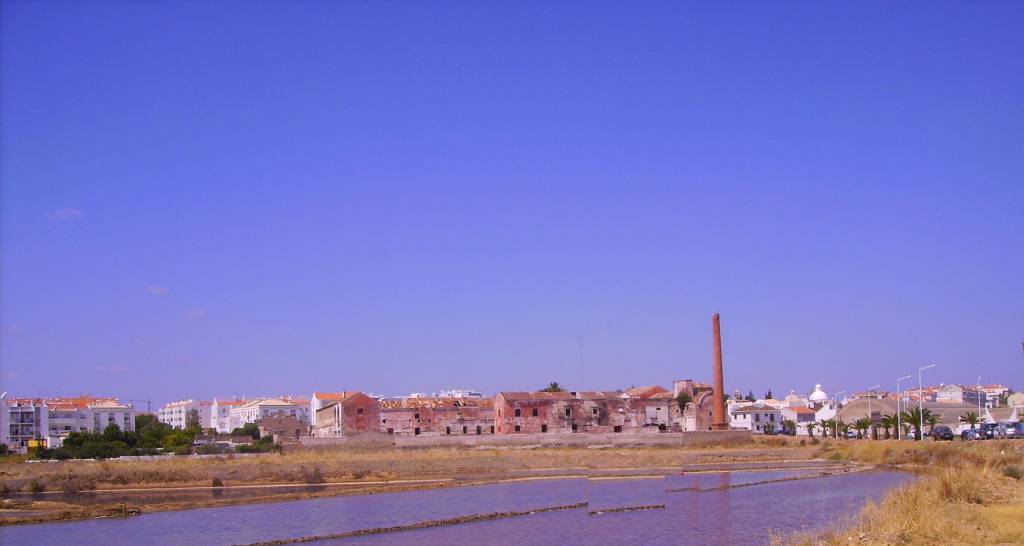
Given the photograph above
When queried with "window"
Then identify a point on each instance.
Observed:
(535, 412)
(568, 412)
(391, 431)
(595, 411)
(771, 417)
(757, 417)
(543, 428)
(618, 428)
(359, 411)
(417, 431)
(479, 429)
(517, 428)
(415, 416)
(447, 430)
(574, 427)
(465, 429)
(492, 429)
(519, 412)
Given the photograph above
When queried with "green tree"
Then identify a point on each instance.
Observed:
(931, 420)
(862, 425)
(248, 429)
(553, 387)
(192, 422)
(683, 399)
(826, 426)
(888, 422)
(971, 419)
(913, 418)
(789, 426)
(811, 425)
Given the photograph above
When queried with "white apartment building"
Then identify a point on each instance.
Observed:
(959, 394)
(51, 420)
(27, 420)
(176, 414)
(267, 407)
(85, 414)
(993, 393)
(220, 414)
(756, 418)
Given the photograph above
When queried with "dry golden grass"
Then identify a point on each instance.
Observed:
(962, 497)
(366, 464)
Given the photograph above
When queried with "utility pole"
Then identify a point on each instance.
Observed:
(920, 400)
(899, 413)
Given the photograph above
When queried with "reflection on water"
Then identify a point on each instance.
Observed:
(740, 516)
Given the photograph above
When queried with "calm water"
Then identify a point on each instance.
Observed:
(738, 516)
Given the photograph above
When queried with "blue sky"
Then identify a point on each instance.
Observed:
(239, 199)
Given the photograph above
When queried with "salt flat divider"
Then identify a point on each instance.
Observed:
(420, 525)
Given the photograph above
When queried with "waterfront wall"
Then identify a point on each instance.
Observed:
(539, 440)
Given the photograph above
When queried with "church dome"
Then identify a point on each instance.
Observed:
(818, 395)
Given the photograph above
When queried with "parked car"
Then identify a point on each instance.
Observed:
(970, 435)
(942, 433)
(851, 434)
(1018, 430)
(989, 431)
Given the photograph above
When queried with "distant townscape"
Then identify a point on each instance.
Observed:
(88, 426)
(337, 416)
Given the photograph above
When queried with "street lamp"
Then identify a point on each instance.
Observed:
(835, 419)
(978, 394)
(871, 416)
(920, 399)
(899, 414)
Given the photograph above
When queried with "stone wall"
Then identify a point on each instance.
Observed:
(552, 440)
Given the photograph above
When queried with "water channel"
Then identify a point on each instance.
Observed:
(698, 509)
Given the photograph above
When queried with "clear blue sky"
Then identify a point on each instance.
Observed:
(236, 198)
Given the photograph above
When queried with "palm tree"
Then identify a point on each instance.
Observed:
(789, 426)
(862, 425)
(970, 419)
(553, 387)
(811, 425)
(843, 428)
(914, 417)
(825, 425)
(932, 420)
(888, 422)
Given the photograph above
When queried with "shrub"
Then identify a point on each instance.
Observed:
(36, 486)
(4, 490)
(213, 449)
(217, 482)
(183, 450)
(74, 484)
(960, 485)
(313, 476)
(1012, 471)
(815, 441)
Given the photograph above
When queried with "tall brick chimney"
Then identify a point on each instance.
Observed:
(718, 420)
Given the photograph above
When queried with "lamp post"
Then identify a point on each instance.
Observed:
(871, 416)
(920, 399)
(978, 394)
(835, 419)
(899, 414)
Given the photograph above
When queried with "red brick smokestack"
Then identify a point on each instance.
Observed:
(718, 421)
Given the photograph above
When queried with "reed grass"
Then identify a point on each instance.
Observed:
(961, 497)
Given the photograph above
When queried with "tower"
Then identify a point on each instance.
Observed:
(718, 420)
